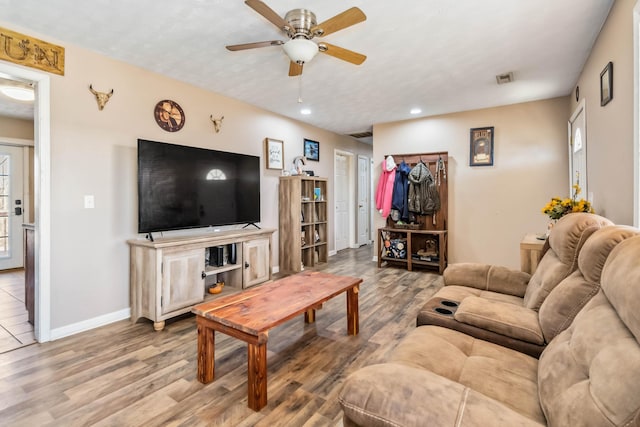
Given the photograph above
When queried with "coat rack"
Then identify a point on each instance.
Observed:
(426, 222)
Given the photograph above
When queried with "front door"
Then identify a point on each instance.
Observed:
(578, 151)
(11, 207)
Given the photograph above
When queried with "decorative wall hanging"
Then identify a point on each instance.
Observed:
(217, 123)
(481, 147)
(312, 150)
(274, 153)
(169, 115)
(101, 97)
(606, 84)
(31, 52)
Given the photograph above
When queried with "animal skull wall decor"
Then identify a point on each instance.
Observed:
(217, 123)
(101, 97)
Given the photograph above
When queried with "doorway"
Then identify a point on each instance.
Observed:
(42, 194)
(578, 150)
(364, 176)
(11, 207)
(344, 200)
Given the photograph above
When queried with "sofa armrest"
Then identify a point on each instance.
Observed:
(502, 318)
(487, 277)
(392, 394)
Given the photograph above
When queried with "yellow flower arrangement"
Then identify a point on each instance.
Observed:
(557, 207)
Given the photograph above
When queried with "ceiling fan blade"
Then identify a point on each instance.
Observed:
(254, 45)
(342, 20)
(268, 13)
(295, 69)
(342, 53)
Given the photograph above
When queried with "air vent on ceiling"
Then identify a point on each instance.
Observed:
(504, 78)
(359, 135)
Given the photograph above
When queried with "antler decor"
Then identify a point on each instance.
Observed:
(217, 123)
(101, 97)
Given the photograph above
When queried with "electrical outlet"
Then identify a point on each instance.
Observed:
(89, 202)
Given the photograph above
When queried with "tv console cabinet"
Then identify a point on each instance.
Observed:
(170, 275)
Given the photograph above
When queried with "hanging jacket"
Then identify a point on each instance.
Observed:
(384, 191)
(423, 194)
(401, 191)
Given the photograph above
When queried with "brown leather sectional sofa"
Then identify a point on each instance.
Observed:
(581, 308)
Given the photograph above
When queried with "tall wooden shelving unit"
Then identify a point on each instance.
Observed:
(303, 222)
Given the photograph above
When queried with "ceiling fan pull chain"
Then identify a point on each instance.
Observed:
(300, 89)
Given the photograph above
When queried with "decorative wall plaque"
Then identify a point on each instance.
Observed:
(31, 52)
(169, 115)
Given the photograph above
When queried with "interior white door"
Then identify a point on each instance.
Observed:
(578, 150)
(11, 207)
(342, 201)
(363, 200)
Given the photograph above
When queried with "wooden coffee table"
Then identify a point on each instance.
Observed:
(249, 315)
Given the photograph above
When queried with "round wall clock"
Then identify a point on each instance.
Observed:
(169, 115)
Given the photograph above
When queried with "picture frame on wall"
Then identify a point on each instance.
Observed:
(481, 146)
(312, 150)
(606, 84)
(274, 153)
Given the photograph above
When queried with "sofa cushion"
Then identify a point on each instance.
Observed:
(488, 278)
(565, 241)
(397, 395)
(590, 373)
(503, 318)
(459, 293)
(502, 374)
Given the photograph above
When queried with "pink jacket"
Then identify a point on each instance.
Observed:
(384, 191)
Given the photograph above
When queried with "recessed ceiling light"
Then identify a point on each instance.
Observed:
(305, 111)
(18, 93)
(415, 111)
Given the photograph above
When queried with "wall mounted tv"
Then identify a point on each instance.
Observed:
(186, 187)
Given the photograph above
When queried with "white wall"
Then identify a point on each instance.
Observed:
(610, 128)
(490, 207)
(94, 153)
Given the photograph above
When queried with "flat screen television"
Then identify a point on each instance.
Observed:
(186, 187)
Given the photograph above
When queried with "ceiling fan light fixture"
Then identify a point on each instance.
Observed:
(300, 50)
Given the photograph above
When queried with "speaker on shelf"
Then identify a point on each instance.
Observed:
(216, 256)
(232, 253)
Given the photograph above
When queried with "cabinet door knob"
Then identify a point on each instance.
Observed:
(204, 275)
(246, 264)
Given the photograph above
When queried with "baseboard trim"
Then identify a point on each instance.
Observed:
(88, 324)
(275, 270)
(332, 253)
(375, 258)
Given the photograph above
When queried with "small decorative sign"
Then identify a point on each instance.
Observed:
(274, 153)
(606, 84)
(481, 147)
(31, 52)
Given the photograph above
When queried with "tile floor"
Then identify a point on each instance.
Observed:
(15, 330)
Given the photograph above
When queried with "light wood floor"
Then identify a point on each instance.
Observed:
(129, 375)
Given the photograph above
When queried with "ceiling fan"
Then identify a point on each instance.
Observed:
(301, 27)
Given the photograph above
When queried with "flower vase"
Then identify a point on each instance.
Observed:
(549, 227)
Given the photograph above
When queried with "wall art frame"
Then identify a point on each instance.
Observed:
(606, 84)
(312, 150)
(274, 153)
(481, 146)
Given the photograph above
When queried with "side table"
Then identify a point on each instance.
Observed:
(531, 250)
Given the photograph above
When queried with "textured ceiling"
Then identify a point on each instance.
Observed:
(438, 55)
